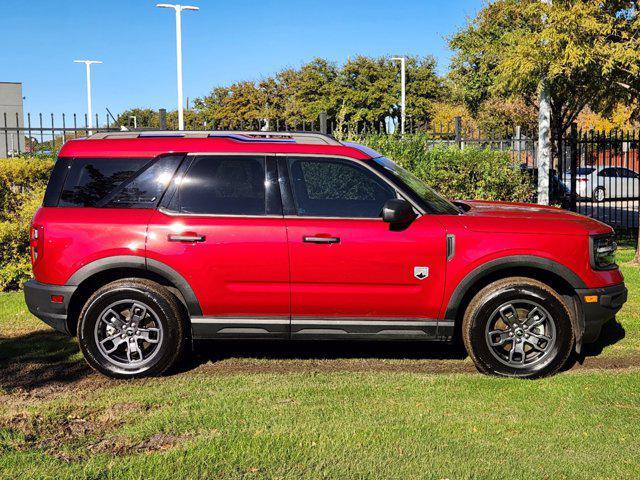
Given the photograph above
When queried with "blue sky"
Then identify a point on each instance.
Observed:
(226, 41)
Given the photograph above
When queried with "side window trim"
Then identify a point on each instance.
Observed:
(284, 161)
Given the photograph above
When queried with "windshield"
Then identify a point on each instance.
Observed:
(435, 202)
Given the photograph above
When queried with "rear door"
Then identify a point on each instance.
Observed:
(353, 275)
(221, 227)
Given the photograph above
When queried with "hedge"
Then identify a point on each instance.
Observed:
(22, 185)
(468, 173)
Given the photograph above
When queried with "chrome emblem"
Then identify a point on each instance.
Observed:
(421, 272)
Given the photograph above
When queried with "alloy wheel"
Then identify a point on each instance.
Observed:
(521, 333)
(128, 333)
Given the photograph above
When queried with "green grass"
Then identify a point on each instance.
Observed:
(292, 418)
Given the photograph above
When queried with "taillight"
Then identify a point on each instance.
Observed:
(581, 179)
(36, 236)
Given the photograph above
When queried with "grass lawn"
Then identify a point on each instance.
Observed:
(318, 411)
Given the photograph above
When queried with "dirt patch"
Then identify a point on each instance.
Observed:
(75, 437)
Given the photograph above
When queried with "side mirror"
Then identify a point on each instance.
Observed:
(397, 210)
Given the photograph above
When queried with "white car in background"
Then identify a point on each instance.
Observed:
(604, 183)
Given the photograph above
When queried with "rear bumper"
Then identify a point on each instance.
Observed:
(596, 314)
(38, 298)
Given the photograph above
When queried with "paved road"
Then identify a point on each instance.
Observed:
(618, 213)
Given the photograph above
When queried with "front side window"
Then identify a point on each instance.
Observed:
(221, 185)
(326, 187)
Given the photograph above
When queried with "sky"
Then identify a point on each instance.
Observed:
(226, 41)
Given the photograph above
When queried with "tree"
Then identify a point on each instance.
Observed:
(588, 51)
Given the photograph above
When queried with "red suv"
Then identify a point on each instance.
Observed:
(148, 241)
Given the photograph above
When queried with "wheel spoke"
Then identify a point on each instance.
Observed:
(517, 348)
(504, 337)
(149, 335)
(536, 341)
(534, 318)
(509, 315)
(138, 313)
(134, 354)
(116, 341)
(113, 318)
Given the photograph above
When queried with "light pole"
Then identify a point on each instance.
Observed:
(544, 136)
(88, 64)
(403, 104)
(178, 9)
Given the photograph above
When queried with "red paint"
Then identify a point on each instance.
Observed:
(260, 265)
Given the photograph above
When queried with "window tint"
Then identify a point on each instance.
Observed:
(585, 170)
(223, 185)
(91, 179)
(145, 188)
(337, 188)
(626, 173)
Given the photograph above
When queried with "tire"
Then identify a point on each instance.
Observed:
(131, 328)
(517, 314)
(599, 194)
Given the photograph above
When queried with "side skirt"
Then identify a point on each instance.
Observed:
(319, 328)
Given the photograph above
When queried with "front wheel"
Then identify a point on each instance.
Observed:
(599, 194)
(518, 327)
(131, 328)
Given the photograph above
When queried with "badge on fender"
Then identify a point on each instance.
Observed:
(421, 272)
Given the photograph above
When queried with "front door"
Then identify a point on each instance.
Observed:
(353, 275)
(221, 228)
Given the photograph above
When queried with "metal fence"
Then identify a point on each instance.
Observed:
(596, 174)
(601, 174)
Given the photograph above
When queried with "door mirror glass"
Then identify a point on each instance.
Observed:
(397, 210)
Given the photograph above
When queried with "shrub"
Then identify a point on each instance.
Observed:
(22, 184)
(470, 173)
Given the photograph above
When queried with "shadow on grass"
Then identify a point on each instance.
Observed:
(39, 359)
(214, 351)
(612, 332)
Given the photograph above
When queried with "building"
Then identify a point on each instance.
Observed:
(11, 112)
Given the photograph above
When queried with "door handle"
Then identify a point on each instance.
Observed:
(187, 238)
(320, 239)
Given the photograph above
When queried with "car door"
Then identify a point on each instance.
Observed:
(353, 275)
(220, 227)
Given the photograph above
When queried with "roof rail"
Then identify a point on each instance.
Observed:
(314, 138)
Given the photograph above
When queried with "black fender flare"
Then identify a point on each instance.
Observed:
(504, 263)
(140, 263)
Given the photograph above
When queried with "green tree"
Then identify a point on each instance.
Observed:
(588, 51)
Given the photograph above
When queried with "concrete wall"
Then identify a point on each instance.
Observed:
(10, 104)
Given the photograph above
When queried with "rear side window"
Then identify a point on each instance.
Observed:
(221, 185)
(117, 182)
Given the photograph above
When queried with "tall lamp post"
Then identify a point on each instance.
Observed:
(403, 77)
(88, 64)
(178, 9)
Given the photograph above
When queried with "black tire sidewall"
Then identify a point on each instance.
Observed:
(595, 194)
(167, 315)
(481, 316)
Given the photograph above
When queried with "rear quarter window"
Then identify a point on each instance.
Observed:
(116, 182)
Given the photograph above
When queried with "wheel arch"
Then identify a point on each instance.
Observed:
(100, 272)
(557, 276)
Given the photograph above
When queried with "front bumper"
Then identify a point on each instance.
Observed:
(596, 314)
(38, 298)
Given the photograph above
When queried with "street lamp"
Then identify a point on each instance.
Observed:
(88, 64)
(178, 9)
(402, 61)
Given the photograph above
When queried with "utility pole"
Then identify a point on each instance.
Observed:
(544, 136)
(403, 83)
(88, 64)
(178, 9)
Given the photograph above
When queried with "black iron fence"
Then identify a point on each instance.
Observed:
(595, 173)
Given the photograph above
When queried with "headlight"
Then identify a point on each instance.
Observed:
(603, 252)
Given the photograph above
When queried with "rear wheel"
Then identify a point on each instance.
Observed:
(131, 328)
(518, 327)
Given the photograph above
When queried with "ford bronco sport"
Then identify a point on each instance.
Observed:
(148, 241)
